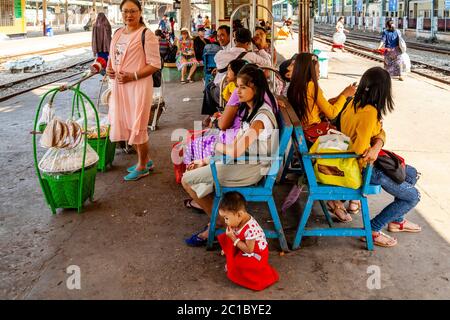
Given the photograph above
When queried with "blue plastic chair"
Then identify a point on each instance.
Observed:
(261, 192)
(321, 192)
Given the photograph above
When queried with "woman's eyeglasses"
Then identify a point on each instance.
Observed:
(133, 12)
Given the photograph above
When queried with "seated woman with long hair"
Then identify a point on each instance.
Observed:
(361, 121)
(312, 108)
(258, 124)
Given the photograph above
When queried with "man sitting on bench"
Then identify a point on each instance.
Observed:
(243, 41)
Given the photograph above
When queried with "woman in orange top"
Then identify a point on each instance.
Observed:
(311, 106)
(130, 67)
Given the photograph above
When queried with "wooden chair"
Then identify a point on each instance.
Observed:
(261, 192)
(321, 192)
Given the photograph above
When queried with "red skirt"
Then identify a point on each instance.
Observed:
(250, 272)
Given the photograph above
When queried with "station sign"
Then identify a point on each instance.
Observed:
(447, 4)
(359, 5)
(393, 4)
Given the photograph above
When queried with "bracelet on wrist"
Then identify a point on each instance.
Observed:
(236, 242)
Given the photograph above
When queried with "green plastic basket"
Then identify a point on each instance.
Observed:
(107, 151)
(64, 188)
(68, 190)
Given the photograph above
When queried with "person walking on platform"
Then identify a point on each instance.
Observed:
(164, 25)
(390, 39)
(172, 28)
(134, 58)
(339, 36)
(101, 37)
(207, 23)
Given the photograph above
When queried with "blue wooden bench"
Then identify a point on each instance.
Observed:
(321, 192)
(261, 192)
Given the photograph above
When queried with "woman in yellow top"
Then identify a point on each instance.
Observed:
(311, 106)
(307, 98)
(361, 121)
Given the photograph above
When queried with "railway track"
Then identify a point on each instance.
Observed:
(45, 52)
(9, 90)
(423, 69)
(411, 45)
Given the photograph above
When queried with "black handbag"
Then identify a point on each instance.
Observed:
(392, 165)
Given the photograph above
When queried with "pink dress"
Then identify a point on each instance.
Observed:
(129, 107)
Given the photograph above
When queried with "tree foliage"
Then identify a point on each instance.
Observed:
(294, 3)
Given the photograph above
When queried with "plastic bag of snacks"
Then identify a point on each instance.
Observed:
(48, 113)
(58, 160)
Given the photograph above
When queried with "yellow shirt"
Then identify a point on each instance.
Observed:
(322, 106)
(361, 126)
(226, 93)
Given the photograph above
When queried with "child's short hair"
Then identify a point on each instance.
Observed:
(232, 201)
(236, 65)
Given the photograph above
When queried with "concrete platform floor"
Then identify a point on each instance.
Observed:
(129, 242)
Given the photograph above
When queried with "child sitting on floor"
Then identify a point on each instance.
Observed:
(244, 245)
(233, 69)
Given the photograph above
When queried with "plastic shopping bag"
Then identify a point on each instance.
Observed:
(333, 140)
(47, 115)
(406, 63)
(339, 38)
(338, 172)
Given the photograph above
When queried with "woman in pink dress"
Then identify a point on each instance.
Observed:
(132, 63)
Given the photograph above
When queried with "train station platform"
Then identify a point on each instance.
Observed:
(129, 242)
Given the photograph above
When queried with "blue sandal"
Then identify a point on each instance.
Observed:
(149, 166)
(136, 175)
(195, 240)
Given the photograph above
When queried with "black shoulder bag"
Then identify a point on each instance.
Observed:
(157, 75)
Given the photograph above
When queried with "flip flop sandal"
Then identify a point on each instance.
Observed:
(333, 211)
(379, 243)
(188, 204)
(356, 211)
(195, 240)
(150, 166)
(401, 227)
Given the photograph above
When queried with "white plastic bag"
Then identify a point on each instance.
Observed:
(58, 160)
(334, 140)
(406, 63)
(339, 38)
(48, 113)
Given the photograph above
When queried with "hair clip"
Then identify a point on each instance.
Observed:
(366, 89)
